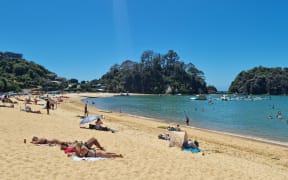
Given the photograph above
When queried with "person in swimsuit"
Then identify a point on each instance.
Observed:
(89, 143)
(83, 150)
(36, 140)
(99, 126)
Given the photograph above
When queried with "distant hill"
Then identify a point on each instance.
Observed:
(261, 80)
(17, 73)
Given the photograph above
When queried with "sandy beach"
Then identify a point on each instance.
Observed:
(145, 156)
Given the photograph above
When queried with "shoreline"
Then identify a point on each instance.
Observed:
(253, 138)
(145, 156)
(258, 139)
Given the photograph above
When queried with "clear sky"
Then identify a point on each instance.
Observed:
(83, 38)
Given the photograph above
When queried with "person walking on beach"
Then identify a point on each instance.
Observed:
(47, 105)
(85, 110)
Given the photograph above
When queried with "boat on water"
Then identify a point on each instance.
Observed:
(122, 94)
(225, 97)
(199, 97)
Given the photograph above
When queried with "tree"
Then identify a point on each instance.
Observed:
(73, 81)
(154, 74)
(261, 80)
(211, 89)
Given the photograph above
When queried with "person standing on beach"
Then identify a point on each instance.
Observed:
(47, 105)
(85, 110)
(187, 119)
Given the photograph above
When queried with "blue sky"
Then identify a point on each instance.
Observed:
(83, 39)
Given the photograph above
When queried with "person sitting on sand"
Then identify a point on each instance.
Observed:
(28, 109)
(190, 144)
(99, 126)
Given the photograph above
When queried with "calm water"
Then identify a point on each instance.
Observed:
(243, 117)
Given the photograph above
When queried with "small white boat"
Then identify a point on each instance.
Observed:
(199, 97)
(225, 97)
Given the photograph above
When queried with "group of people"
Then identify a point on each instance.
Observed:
(187, 143)
(89, 148)
(177, 128)
(49, 105)
(5, 99)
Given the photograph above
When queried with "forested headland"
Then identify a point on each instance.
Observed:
(261, 80)
(156, 74)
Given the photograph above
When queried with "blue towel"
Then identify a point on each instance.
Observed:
(194, 150)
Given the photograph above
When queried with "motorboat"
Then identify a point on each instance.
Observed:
(225, 97)
(199, 97)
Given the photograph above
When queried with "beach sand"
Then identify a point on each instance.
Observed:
(145, 156)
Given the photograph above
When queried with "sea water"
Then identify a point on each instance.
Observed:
(253, 117)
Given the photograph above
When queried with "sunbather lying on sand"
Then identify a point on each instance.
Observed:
(36, 140)
(89, 143)
(78, 148)
(28, 109)
(85, 149)
(8, 106)
(164, 136)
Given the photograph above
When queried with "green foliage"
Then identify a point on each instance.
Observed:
(211, 89)
(154, 75)
(261, 80)
(17, 73)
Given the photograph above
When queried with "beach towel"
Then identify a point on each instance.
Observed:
(76, 158)
(193, 150)
(45, 145)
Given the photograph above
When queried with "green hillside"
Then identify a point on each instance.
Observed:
(261, 80)
(16, 73)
